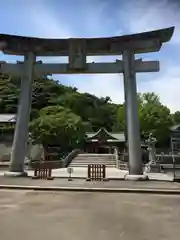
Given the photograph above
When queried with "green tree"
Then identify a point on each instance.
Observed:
(51, 98)
(99, 112)
(120, 122)
(154, 117)
(58, 126)
(9, 93)
(176, 118)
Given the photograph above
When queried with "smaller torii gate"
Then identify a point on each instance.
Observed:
(77, 50)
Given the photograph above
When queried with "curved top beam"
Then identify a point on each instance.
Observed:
(19, 45)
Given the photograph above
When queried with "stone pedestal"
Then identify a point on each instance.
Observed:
(132, 177)
(15, 174)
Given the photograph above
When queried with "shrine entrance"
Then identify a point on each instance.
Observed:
(104, 149)
(77, 50)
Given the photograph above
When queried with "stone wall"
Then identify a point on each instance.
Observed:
(5, 151)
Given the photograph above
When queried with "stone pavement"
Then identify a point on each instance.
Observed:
(80, 184)
(79, 216)
(112, 173)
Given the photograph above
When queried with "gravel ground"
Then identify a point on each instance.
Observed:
(79, 216)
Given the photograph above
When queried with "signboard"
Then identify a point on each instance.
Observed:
(70, 170)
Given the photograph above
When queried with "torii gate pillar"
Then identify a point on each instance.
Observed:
(19, 147)
(132, 119)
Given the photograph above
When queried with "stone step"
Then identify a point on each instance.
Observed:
(74, 164)
(108, 158)
(95, 154)
(89, 162)
(83, 160)
(104, 156)
(106, 163)
(94, 159)
(84, 165)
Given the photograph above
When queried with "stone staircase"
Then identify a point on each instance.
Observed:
(83, 159)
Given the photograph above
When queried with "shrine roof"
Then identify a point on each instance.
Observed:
(111, 136)
(19, 45)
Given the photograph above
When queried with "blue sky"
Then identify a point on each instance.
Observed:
(98, 18)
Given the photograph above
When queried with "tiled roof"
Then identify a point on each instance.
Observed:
(118, 136)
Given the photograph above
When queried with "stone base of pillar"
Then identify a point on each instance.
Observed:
(15, 174)
(136, 177)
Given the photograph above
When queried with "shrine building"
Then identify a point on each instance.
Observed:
(103, 141)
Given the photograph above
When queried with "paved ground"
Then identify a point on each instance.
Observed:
(67, 215)
(113, 173)
(83, 184)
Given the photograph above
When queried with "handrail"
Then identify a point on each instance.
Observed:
(67, 160)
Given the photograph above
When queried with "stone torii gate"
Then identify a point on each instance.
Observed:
(77, 49)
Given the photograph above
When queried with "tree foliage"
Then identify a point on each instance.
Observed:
(58, 125)
(154, 117)
(176, 118)
(53, 102)
(61, 111)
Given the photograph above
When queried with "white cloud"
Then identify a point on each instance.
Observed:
(144, 15)
(45, 25)
(139, 16)
(102, 85)
(167, 86)
(98, 20)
